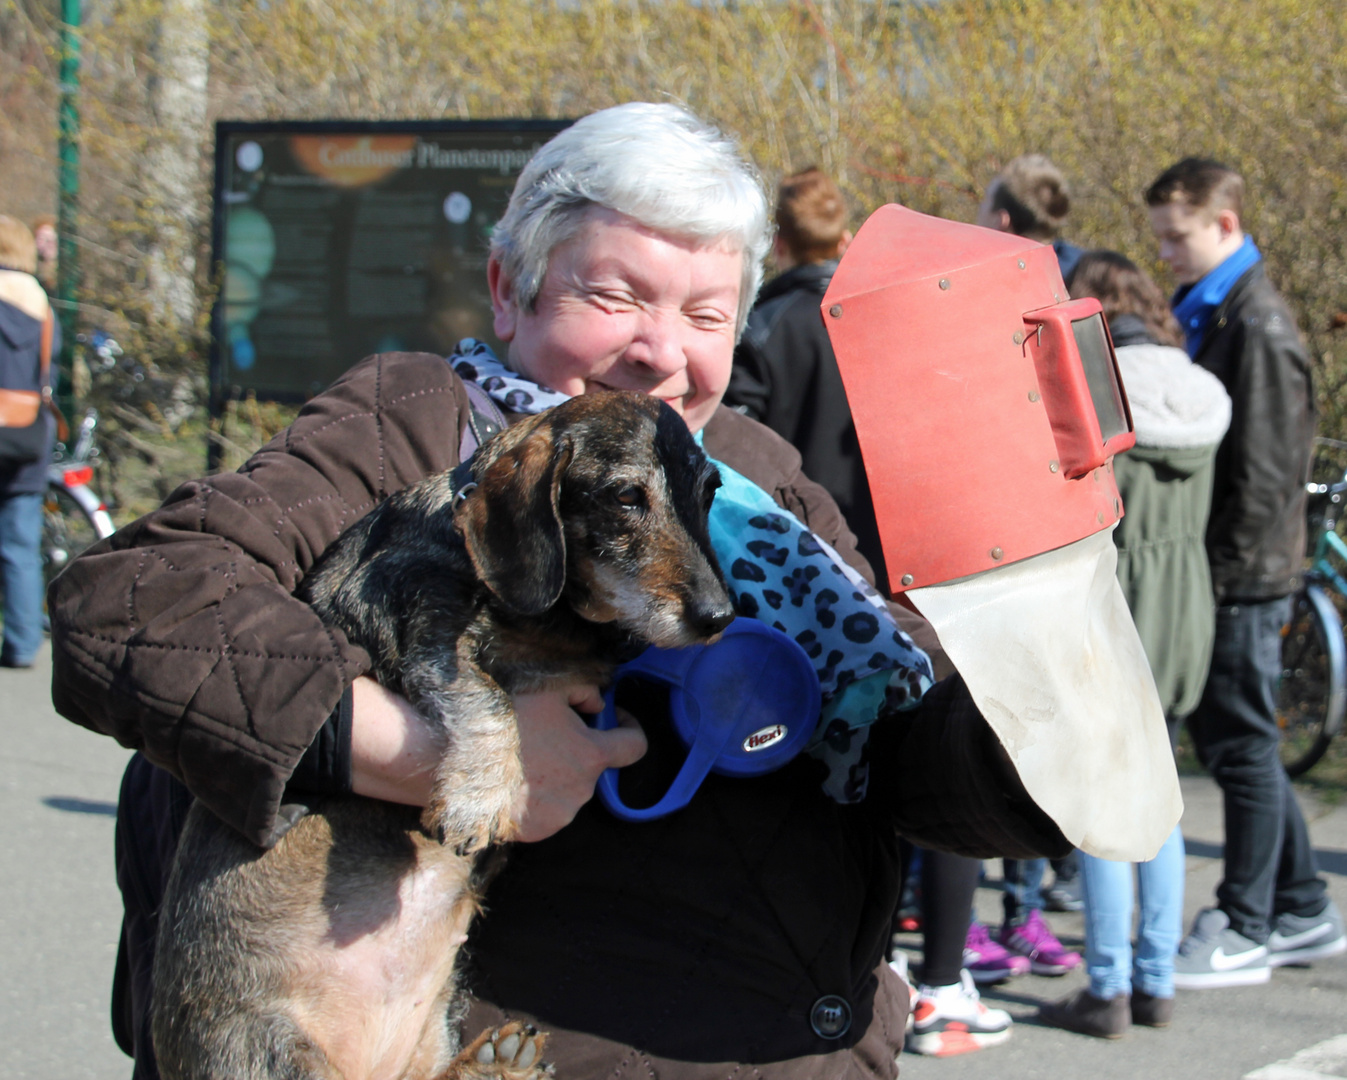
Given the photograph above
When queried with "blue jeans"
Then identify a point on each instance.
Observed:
(1269, 864)
(21, 576)
(1107, 889)
(1023, 888)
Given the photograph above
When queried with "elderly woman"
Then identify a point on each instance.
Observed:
(748, 927)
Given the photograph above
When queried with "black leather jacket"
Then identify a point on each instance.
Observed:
(1256, 534)
(785, 376)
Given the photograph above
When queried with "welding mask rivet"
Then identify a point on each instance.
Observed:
(1033, 395)
(1017, 338)
(997, 553)
(1021, 262)
(835, 311)
(907, 579)
(1052, 466)
(944, 283)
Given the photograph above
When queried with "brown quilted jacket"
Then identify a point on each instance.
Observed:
(180, 636)
(705, 939)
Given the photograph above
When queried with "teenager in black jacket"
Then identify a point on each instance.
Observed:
(1272, 907)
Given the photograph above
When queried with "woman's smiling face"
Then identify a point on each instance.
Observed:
(625, 308)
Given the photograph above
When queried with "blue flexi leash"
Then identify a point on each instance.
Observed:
(743, 706)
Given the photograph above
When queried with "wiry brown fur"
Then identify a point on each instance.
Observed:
(332, 954)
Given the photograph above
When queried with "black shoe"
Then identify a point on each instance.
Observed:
(1151, 1011)
(1086, 1014)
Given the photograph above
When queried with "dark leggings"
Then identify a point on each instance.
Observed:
(948, 883)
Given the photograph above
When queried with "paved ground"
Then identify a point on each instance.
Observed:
(60, 911)
(59, 907)
(1291, 1029)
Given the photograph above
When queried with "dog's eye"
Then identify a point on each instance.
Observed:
(632, 497)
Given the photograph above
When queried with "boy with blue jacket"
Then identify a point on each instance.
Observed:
(1272, 907)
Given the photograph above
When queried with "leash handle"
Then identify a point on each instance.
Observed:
(743, 706)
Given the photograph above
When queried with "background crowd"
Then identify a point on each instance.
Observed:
(1209, 550)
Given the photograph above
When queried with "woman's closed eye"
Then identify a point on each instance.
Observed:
(710, 318)
(614, 299)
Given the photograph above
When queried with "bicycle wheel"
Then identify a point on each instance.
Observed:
(1311, 696)
(67, 529)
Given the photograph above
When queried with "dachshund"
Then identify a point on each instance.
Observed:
(580, 537)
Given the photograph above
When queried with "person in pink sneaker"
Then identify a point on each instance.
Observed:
(987, 960)
(1032, 938)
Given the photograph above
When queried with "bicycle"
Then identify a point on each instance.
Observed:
(73, 516)
(1312, 695)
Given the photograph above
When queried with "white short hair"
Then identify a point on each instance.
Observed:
(657, 164)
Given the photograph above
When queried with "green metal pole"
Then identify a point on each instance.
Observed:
(68, 276)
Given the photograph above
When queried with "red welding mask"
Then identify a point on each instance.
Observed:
(988, 407)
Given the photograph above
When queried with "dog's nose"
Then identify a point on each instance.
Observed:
(708, 620)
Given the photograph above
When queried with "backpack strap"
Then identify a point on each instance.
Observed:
(44, 357)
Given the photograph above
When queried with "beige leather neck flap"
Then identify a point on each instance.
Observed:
(1052, 658)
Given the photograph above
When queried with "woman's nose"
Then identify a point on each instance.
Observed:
(658, 345)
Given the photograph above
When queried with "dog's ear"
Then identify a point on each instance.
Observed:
(512, 523)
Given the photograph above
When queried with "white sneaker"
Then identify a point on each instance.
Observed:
(899, 966)
(952, 1020)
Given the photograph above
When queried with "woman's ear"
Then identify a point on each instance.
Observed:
(504, 313)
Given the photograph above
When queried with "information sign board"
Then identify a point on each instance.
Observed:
(337, 239)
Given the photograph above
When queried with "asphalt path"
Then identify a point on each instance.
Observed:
(60, 913)
(1290, 1029)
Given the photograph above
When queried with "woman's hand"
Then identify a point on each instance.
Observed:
(393, 755)
(564, 757)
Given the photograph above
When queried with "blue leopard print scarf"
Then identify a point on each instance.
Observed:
(781, 573)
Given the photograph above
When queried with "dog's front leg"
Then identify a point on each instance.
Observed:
(480, 772)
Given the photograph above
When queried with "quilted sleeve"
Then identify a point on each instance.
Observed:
(180, 637)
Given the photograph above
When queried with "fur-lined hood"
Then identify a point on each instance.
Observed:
(1175, 404)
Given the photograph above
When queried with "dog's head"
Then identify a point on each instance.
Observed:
(600, 503)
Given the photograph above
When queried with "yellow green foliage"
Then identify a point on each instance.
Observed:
(916, 101)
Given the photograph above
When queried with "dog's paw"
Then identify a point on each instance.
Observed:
(465, 838)
(511, 1052)
(463, 828)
